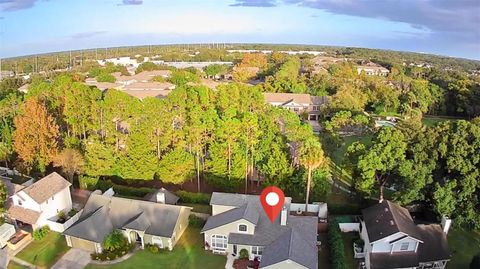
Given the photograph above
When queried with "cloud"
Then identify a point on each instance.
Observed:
(132, 2)
(254, 3)
(87, 34)
(14, 5)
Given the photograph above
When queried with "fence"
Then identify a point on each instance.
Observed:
(61, 227)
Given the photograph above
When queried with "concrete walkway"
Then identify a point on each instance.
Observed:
(229, 264)
(22, 262)
(73, 259)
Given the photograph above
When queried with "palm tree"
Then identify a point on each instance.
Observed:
(311, 157)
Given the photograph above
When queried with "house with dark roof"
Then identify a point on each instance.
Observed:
(393, 240)
(144, 222)
(35, 204)
(239, 222)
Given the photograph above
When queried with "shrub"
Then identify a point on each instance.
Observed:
(72, 212)
(114, 241)
(195, 221)
(61, 217)
(88, 182)
(153, 248)
(193, 197)
(40, 233)
(337, 251)
(106, 78)
(132, 191)
(108, 255)
(243, 254)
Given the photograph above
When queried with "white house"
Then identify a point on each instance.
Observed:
(393, 240)
(35, 204)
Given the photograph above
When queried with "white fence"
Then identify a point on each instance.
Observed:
(317, 208)
(61, 227)
(349, 227)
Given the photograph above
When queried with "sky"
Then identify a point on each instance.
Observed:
(450, 28)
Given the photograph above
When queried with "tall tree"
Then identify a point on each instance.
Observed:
(36, 135)
(311, 157)
(177, 166)
(71, 161)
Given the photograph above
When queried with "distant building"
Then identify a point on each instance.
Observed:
(24, 88)
(372, 69)
(320, 63)
(298, 102)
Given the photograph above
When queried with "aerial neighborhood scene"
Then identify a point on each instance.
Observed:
(275, 134)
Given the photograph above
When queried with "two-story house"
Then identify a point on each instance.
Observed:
(239, 222)
(35, 204)
(298, 102)
(393, 240)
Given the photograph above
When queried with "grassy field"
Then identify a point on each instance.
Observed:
(337, 154)
(463, 245)
(44, 253)
(188, 253)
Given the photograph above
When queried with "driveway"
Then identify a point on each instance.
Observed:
(73, 259)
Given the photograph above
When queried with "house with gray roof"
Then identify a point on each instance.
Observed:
(144, 222)
(35, 204)
(239, 222)
(393, 240)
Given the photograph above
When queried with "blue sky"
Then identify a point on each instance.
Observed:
(434, 26)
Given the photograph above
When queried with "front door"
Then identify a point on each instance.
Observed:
(234, 250)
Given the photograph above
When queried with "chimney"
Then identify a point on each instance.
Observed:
(161, 197)
(283, 216)
(446, 223)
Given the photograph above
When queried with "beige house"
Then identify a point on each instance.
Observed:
(239, 222)
(143, 222)
(372, 69)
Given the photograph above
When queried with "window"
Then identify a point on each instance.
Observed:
(315, 108)
(219, 242)
(53, 198)
(404, 246)
(257, 251)
(242, 228)
(19, 202)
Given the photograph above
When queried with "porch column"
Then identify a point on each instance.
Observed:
(129, 236)
(141, 238)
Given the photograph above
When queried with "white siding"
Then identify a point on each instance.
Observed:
(218, 209)
(26, 202)
(61, 201)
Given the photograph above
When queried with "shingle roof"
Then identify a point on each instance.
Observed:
(103, 214)
(387, 218)
(395, 260)
(170, 198)
(46, 187)
(435, 246)
(22, 214)
(141, 94)
(247, 212)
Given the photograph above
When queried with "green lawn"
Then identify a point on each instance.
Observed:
(348, 239)
(44, 253)
(337, 154)
(199, 208)
(14, 265)
(432, 121)
(463, 245)
(188, 253)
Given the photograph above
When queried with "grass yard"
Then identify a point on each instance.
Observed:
(348, 239)
(188, 253)
(14, 265)
(199, 208)
(337, 154)
(44, 253)
(463, 245)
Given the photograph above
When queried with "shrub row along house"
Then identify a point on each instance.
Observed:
(393, 240)
(144, 222)
(239, 222)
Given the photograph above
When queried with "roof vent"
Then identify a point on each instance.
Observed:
(392, 223)
(386, 209)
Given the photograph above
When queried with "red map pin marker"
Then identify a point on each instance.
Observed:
(272, 199)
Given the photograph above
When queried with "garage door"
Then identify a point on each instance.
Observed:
(83, 244)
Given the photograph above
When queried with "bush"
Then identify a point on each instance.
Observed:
(335, 242)
(108, 255)
(195, 221)
(72, 212)
(132, 191)
(114, 241)
(193, 197)
(153, 248)
(106, 78)
(243, 254)
(61, 217)
(88, 182)
(40, 233)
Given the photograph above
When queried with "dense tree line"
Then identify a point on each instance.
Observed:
(226, 136)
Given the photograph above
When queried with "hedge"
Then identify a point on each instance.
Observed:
(93, 183)
(88, 182)
(194, 197)
(344, 209)
(337, 250)
(132, 191)
(40, 233)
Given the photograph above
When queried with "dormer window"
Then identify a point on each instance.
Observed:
(404, 246)
(242, 228)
